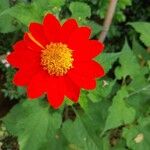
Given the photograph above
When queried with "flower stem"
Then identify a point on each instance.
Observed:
(108, 19)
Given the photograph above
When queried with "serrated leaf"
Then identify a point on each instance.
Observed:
(143, 29)
(119, 112)
(32, 123)
(129, 64)
(107, 60)
(80, 10)
(130, 67)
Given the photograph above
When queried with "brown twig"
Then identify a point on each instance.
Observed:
(108, 19)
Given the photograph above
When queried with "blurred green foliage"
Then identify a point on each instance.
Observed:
(113, 116)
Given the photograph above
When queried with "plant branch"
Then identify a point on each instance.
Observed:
(139, 91)
(108, 19)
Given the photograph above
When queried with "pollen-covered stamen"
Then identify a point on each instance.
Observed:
(57, 59)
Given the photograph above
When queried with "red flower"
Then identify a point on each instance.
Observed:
(57, 60)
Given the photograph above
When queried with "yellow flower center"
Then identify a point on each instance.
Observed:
(57, 59)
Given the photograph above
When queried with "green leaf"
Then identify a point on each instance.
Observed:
(119, 112)
(27, 13)
(78, 136)
(7, 23)
(139, 99)
(107, 60)
(57, 143)
(119, 145)
(140, 51)
(32, 123)
(129, 64)
(80, 10)
(56, 3)
(83, 100)
(95, 115)
(4, 5)
(130, 67)
(84, 132)
(124, 3)
(103, 90)
(96, 28)
(54, 6)
(137, 137)
(143, 29)
(119, 14)
(139, 82)
(34, 11)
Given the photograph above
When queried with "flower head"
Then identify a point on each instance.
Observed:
(57, 60)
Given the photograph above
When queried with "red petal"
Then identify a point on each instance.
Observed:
(84, 74)
(88, 50)
(88, 69)
(19, 45)
(78, 37)
(11, 58)
(24, 75)
(51, 27)
(22, 56)
(72, 91)
(67, 28)
(22, 79)
(37, 32)
(37, 85)
(55, 91)
(30, 44)
(82, 82)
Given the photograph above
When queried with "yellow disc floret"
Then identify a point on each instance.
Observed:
(57, 59)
